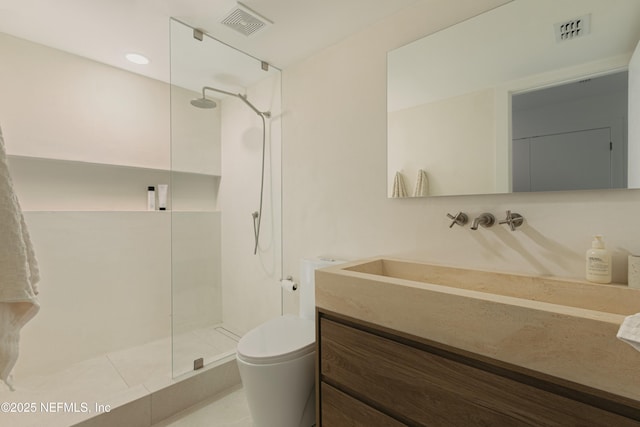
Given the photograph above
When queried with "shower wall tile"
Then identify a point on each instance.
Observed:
(196, 289)
(251, 283)
(105, 286)
(89, 109)
(195, 134)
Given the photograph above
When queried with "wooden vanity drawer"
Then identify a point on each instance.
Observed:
(417, 387)
(340, 409)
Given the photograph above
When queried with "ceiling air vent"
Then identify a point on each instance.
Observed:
(245, 20)
(573, 28)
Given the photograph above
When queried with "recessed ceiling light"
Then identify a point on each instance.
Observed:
(136, 58)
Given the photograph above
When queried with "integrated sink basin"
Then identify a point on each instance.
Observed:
(618, 299)
(559, 327)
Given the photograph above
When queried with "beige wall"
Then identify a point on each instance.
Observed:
(334, 177)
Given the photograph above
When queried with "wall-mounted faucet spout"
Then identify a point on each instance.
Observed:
(486, 220)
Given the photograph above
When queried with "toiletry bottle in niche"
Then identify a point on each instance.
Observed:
(151, 198)
(598, 262)
(162, 196)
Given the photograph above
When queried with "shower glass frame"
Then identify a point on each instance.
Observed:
(212, 302)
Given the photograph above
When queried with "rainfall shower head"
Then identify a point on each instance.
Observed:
(203, 103)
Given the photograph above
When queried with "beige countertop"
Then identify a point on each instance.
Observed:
(564, 328)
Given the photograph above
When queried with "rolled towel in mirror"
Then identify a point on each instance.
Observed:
(399, 190)
(422, 184)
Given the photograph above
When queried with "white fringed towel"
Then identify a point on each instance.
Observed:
(19, 273)
(629, 331)
(422, 184)
(399, 189)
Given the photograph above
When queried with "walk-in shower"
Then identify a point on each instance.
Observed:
(176, 286)
(205, 102)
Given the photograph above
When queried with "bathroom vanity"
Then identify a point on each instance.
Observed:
(404, 343)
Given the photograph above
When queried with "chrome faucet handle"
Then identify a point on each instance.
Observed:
(486, 220)
(514, 220)
(460, 218)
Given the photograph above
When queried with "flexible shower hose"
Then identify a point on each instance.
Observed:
(257, 216)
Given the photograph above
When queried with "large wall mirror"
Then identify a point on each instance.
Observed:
(534, 95)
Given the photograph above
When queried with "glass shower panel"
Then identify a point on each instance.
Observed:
(211, 306)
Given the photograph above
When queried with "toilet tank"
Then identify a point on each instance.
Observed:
(308, 267)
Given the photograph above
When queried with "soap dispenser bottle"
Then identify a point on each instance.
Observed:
(598, 262)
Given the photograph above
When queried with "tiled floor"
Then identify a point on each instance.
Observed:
(228, 410)
(113, 378)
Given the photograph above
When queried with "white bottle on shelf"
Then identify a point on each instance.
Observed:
(598, 262)
(151, 198)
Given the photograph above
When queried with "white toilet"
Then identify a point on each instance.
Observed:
(277, 361)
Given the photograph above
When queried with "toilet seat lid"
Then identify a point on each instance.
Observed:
(283, 338)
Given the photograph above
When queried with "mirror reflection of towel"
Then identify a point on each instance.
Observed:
(422, 184)
(399, 190)
(19, 273)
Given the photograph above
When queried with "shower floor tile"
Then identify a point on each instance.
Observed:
(118, 376)
(137, 365)
(88, 382)
(209, 343)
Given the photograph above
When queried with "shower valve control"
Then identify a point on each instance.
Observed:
(460, 218)
(514, 220)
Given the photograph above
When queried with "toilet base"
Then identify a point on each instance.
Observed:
(280, 394)
(309, 414)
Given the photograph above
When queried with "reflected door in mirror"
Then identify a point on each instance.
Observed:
(568, 161)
